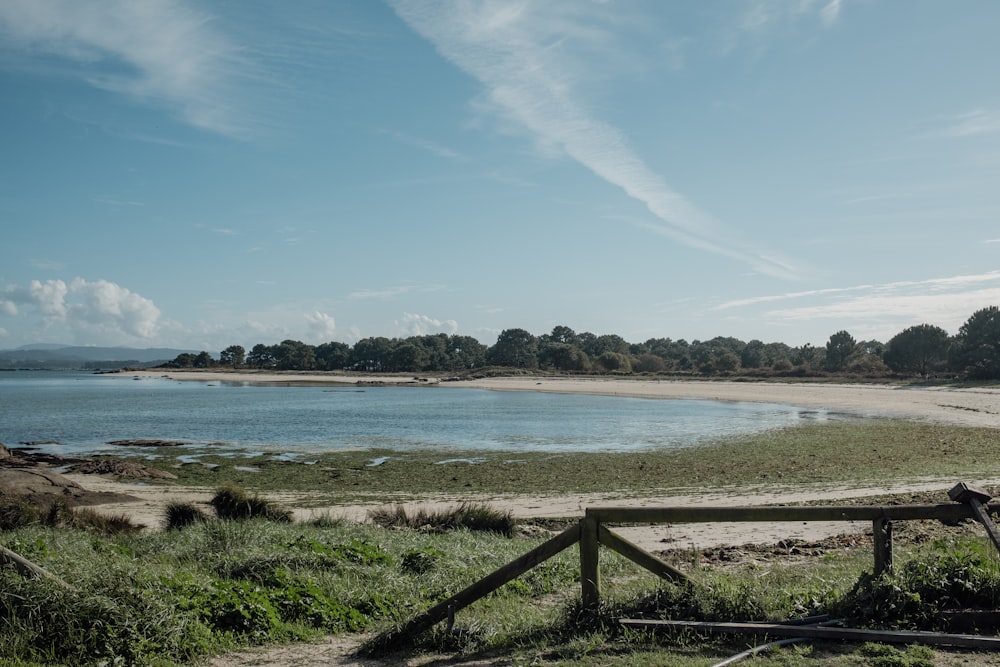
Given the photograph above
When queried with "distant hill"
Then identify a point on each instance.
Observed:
(53, 356)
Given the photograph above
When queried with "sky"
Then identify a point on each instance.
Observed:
(196, 175)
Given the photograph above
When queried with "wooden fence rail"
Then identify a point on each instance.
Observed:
(592, 531)
(881, 517)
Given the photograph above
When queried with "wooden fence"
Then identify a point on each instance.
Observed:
(592, 531)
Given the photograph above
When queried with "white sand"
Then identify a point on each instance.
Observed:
(966, 407)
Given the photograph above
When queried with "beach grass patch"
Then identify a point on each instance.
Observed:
(233, 503)
(468, 516)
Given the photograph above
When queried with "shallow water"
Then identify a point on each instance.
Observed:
(82, 412)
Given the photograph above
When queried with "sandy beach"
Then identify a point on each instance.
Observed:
(979, 406)
(965, 406)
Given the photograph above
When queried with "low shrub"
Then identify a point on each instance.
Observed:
(183, 514)
(470, 516)
(232, 503)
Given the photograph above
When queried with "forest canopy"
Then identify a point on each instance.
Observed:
(924, 350)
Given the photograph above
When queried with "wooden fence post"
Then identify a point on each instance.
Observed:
(882, 534)
(590, 573)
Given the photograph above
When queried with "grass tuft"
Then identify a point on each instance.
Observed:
(233, 503)
(183, 514)
(469, 516)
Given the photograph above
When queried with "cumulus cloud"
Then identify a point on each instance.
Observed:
(321, 325)
(422, 325)
(99, 307)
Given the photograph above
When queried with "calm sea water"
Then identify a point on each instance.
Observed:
(82, 412)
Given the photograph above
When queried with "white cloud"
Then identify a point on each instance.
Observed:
(80, 306)
(530, 58)
(883, 309)
(386, 293)
(974, 123)
(156, 51)
(321, 326)
(831, 11)
(422, 325)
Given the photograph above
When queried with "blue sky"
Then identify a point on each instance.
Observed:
(200, 174)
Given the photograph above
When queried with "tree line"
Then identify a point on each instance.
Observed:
(922, 350)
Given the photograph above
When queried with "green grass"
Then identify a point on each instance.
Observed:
(850, 451)
(173, 597)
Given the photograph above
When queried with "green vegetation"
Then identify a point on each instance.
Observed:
(216, 583)
(918, 351)
(172, 597)
(849, 451)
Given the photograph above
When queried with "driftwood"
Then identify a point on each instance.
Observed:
(28, 569)
(818, 632)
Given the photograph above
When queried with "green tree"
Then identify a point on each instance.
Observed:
(261, 356)
(371, 354)
(839, 349)
(562, 357)
(920, 349)
(514, 347)
(203, 360)
(182, 360)
(332, 356)
(294, 355)
(977, 345)
(234, 356)
(614, 361)
(408, 357)
(465, 352)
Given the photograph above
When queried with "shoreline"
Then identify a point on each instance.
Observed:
(977, 407)
(960, 406)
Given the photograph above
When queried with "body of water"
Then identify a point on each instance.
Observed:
(82, 412)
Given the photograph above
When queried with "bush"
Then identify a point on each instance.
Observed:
(182, 514)
(470, 516)
(232, 503)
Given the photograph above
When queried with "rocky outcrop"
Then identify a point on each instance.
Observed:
(39, 486)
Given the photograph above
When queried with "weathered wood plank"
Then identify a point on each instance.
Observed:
(949, 512)
(637, 555)
(822, 632)
(26, 568)
(590, 571)
(882, 534)
(486, 585)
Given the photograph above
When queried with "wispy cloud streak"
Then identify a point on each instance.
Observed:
(161, 52)
(520, 52)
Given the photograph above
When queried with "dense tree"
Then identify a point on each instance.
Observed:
(465, 352)
(562, 357)
(614, 362)
(977, 346)
(514, 347)
(295, 355)
(920, 349)
(371, 354)
(649, 363)
(839, 349)
(203, 360)
(260, 356)
(182, 360)
(562, 334)
(976, 352)
(807, 357)
(332, 356)
(234, 356)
